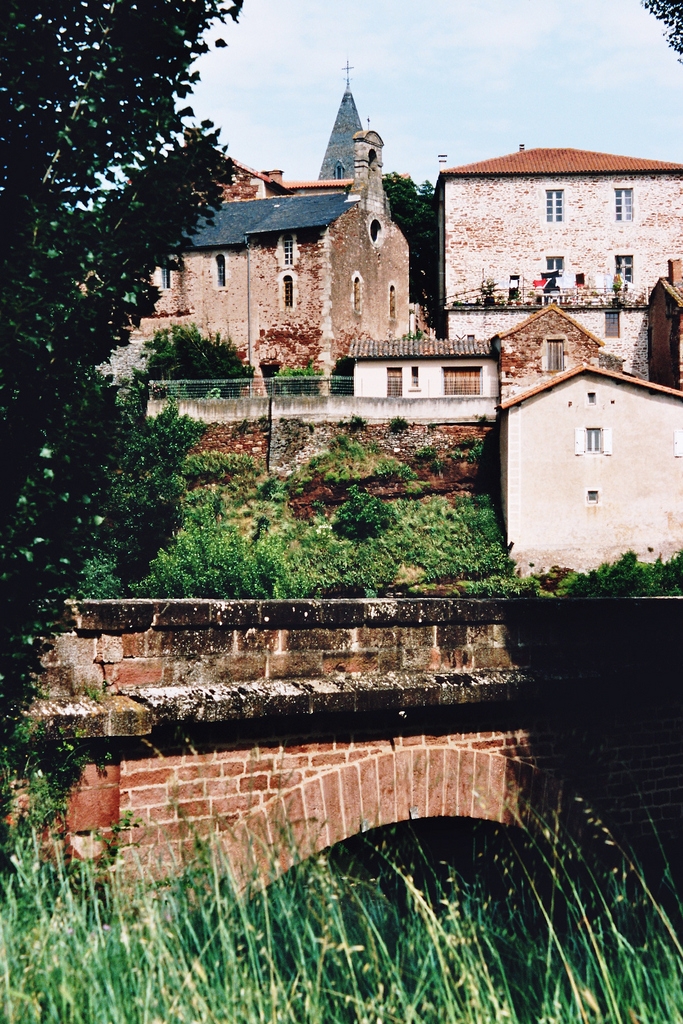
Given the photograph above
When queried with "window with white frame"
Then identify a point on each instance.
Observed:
(593, 441)
(623, 203)
(415, 376)
(554, 263)
(592, 497)
(165, 279)
(288, 245)
(554, 354)
(554, 206)
(624, 268)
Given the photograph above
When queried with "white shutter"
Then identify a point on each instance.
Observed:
(606, 440)
(678, 443)
(579, 441)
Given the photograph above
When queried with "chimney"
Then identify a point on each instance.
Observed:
(276, 175)
(675, 272)
(521, 147)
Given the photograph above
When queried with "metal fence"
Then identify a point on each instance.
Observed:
(246, 388)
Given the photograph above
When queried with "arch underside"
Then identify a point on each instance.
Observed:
(385, 789)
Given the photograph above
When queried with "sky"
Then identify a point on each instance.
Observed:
(468, 78)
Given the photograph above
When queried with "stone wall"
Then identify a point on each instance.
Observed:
(318, 719)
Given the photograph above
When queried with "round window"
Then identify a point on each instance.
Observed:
(375, 230)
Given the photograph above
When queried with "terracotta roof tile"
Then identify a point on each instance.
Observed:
(320, 183)
(560, 378)
(550, 311)
(561, 161)
(411, 348)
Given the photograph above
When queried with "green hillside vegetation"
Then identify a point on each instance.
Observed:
(240, 538)
(216, 525)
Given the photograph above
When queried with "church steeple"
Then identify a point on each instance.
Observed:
(339, 156)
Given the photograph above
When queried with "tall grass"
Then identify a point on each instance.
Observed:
(326, 943)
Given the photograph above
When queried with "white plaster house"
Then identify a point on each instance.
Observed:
(425, 368)
(592, 467)
(557, 225)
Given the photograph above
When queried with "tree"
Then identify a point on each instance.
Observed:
(101, 180)
(182, 353)
(671, 13)
(412, 207)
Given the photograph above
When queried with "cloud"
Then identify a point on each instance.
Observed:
(472, 78)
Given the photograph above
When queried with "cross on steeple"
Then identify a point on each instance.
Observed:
(347, 69)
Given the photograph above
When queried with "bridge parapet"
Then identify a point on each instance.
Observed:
(125, 666)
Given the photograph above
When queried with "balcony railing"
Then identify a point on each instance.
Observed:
(243, 387)
(577, 296)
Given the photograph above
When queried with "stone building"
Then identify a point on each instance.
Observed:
(295, 278)
(592, 467)
(589, 231)
(665, 352)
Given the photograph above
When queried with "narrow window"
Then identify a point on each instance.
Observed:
(289, 251)
(592, 497)
(288, 291)
(461, 381)
(415, 376)
(375, 231)
(394, 382)
(470, 338)
(554, 264)
(339, 170)
(554, 206)
(612, 324)
(392, 302)
(356, 295)
(592, 398)
(220, 270)
(624, 268)
(623, 199)
(165, 279)
(555, 355)
(593, 440)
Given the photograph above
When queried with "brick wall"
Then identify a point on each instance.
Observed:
(317, 719)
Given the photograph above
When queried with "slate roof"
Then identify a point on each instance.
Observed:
(256, 216)
(340, 147)
(620, 378)
(561, 161)
(413, 348)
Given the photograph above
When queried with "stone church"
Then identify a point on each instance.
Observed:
(294, 272)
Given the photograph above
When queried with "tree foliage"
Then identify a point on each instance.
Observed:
(671, 13)
(181, 352)
(101, 180)
(412, 207)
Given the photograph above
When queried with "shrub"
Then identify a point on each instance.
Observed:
(428, 452)
(357, 423)
(363, 515)
(209, 467)
(183, 353)
(627, 577)
(397, 425)
(470, 449)
(308, 370)
(392, 467)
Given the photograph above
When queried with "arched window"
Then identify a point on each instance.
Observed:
(356, 295)
(392, 302)
(339, 170)
(375, 230)
(289, 250)
(220, 270)
(165, 279)
(288, 291)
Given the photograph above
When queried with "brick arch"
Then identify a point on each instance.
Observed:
(435, 780)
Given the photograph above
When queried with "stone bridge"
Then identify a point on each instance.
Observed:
(288, 726)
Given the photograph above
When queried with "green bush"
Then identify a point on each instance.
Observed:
(397, 425)
(363, 515)
(308, 370)
(426, 453)
(470, 449)
(627, 577)
(209, 467)
(392, 467)
(357, 423)
(183, 353)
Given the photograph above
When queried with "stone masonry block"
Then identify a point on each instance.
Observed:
(109, 649)
(316, 639)
(257, 639)
(295, 664)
